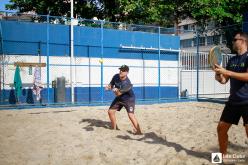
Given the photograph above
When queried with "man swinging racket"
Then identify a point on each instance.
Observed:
(122, 87)
(237, 105)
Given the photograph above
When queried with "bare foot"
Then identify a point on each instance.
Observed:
(116, 128)
(137, 132)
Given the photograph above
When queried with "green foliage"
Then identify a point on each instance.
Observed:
(224, 12)
(152, 12)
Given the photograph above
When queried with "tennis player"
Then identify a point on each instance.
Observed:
(122, 87)
(237, 104)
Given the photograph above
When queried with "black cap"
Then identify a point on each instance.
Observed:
(124, 68)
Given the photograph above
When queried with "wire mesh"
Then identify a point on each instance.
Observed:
(159, 69)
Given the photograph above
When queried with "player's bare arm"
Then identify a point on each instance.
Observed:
(108, 87)
(230, 74)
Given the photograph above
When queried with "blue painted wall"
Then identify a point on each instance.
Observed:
(26, 38)
(87, 95)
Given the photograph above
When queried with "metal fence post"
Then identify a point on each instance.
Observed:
(101, 61)
(72, 66)
(2, 90)
(47, 52)
(159, 79)
(179, 74)
(89, 62)
(197, 65)
(144, 74)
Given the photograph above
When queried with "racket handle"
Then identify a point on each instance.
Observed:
(218, 77)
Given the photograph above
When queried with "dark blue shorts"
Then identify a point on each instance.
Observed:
(232, 114)
(128, 104)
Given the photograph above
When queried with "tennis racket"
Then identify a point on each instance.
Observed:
(214, 57)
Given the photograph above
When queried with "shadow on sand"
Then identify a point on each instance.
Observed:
(237, 147)
(152, 138)
(94, 123)
(37, 113)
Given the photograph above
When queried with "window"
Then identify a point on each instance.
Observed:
(210, 40)
(213, 40)
(224, 41)
(189, 27)
(195, 41)
(216, 39)
(202, 41)
(186, 27)
(186, 43)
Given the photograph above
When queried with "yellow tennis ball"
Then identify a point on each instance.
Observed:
(101, 60)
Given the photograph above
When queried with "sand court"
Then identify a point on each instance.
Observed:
(173, 133)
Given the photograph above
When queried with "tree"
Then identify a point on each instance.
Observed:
(153, 12)
(58, 7)
(176, 10)
(226, 14)
(83, 8)
(129, 11)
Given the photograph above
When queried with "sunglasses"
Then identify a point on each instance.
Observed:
(236, 39)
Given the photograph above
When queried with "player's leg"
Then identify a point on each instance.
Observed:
(245, 119)
(130, 105)
(230, 115)
(222, 130)
(115, 106)
(135, 123)
(111, 113)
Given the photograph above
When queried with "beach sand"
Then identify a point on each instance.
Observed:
(173, 134)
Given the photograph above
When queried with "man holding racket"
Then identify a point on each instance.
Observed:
(237, 104)
(122, 87)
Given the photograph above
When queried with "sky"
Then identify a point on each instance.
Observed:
(2, 5)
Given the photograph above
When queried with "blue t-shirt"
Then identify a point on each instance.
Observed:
(124, 86)
(238, 89)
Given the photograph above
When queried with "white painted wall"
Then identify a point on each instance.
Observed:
(208, 86)
(142, 72)
(85, 75)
